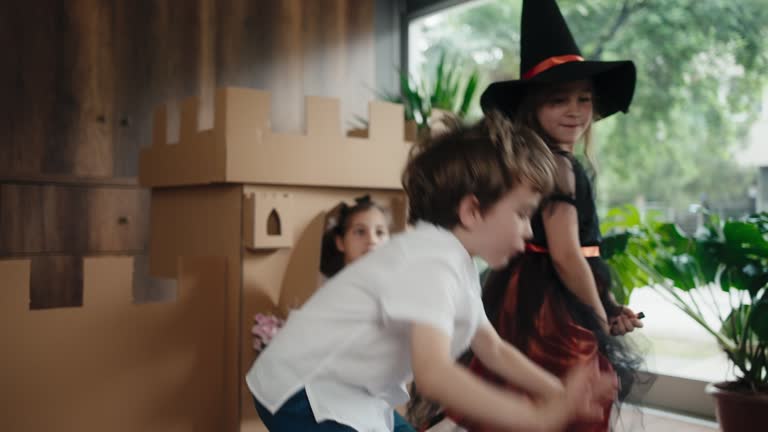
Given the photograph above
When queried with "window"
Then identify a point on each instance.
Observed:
(694, 137)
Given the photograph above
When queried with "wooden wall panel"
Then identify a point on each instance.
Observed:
(56, 281)
(92, 84)
(72, 220)
(296, 48)
(84, 75)
(157, 59)
(60, 89)
(360, 84)
(31, 89)
(137, 83)
(339, 54)
(259, 45)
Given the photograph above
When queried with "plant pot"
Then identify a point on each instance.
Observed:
(739, 411)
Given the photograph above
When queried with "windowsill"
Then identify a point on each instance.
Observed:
(633, 419)
(671, 394)
(640, 419)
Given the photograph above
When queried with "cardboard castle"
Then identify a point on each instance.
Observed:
(236, 218)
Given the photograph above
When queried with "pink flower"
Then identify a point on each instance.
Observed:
(264, 329)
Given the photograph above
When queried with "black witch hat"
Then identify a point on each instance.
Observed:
(549, 55)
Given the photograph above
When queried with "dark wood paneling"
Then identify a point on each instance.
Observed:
(259, 45)
(325, 40)
(360, 85)
(157, 59)
(339, 54)
(90, 60)
(56, 281)
(244, 45)
(136, 86)
(295, 48)
(71, 220)
(84, 75)
(29, 87)
(61, 89)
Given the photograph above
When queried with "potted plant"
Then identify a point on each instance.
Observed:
(729, 256)
(446, 92)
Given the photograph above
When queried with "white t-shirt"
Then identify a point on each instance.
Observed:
(349, 345)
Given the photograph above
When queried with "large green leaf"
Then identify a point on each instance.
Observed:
(759, 320)
(621, 218)
(672, 238)
(743, 239)
(613, 244)
(680, 269)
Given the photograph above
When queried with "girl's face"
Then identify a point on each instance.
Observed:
(565, 114)
(366, 230)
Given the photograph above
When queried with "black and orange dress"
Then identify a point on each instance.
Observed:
(533, 309)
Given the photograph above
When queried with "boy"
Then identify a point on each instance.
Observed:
(412, 306)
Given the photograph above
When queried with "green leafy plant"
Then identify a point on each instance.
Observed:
(689, 270)
(451, 87)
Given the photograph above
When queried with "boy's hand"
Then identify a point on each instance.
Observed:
(625, 322)
(587, 390)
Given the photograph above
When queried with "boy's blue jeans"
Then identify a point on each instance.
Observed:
(296, 416)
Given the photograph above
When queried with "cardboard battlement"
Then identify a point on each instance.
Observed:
(113, 364)
(242, 148)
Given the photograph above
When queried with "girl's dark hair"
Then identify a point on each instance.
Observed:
(337, 224)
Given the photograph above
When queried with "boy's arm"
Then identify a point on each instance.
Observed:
(441, 379)
(509, 363)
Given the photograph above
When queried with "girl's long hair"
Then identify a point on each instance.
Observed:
(526, 115)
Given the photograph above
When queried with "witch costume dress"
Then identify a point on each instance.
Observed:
(533, 309)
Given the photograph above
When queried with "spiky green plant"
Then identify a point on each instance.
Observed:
(452, 87)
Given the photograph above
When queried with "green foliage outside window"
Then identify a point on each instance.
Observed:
(702, 70)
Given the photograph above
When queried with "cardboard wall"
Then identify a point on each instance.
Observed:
(204, 221)
(270, 277)
(112, 365)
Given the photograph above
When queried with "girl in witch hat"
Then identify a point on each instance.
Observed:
(554, 302)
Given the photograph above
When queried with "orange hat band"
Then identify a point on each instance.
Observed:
(549, 63)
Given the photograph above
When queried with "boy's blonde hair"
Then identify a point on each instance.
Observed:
(486, 160)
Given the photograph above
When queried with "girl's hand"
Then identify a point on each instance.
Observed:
(627, 321)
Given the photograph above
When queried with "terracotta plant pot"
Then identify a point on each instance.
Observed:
(738, 411)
